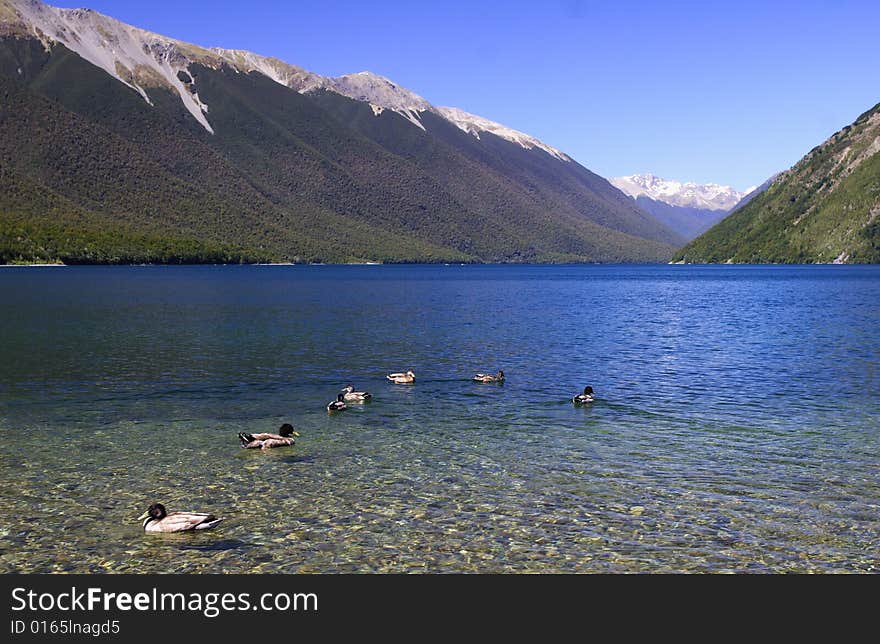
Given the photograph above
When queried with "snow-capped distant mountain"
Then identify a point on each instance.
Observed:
(708, 196)
(142, 59)
(688, 208)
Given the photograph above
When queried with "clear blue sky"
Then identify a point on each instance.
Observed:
(728, 92)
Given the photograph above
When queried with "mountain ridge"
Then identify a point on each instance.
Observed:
(140, 58)
(706, 196)
(824, 209)
(279, 174)
(688, 208)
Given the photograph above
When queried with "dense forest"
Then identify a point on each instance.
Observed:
(825, 209)
(92, 173)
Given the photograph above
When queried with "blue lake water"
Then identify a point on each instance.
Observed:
(737, 425)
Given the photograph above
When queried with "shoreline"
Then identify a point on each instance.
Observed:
(659, 263)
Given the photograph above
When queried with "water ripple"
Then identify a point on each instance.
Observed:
(736, 427)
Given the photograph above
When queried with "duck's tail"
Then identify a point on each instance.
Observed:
(209, 523)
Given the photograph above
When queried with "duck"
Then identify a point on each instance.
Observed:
(488, 377)
(157, 519)
(338, 404)
(402, 378)
(285, 436)
(350, 395)
(584, 398)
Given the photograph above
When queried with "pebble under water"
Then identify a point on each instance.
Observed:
(736, 427)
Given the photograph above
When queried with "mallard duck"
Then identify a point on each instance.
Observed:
(402, 378)
(584, 398)
(156, 519)
(283, 438)
(350, 395)
(338, 404)
(488, 377)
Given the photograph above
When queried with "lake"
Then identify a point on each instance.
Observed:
(736, 426)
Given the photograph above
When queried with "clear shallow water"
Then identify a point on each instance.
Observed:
(737, 426)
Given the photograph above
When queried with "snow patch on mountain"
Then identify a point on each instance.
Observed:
(141, 59)
(283, 73)
(380, 92)
(708, 196)
(133, 56)
(473, 124)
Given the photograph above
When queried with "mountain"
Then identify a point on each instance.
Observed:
(687, 208)
(754, 192)
(825, 209)
(121, 145)
(708, 196)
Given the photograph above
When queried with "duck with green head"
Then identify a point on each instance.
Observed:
(338, 404)
(584, 398)
(157, 519)
(285, 436)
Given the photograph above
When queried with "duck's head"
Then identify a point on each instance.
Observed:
(410, 374)
(348, 389)
(340, 397)
(501, 374)
(155, 511)
(588, 391)
(287, 430)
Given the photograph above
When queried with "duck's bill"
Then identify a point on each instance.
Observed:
(143, 516)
